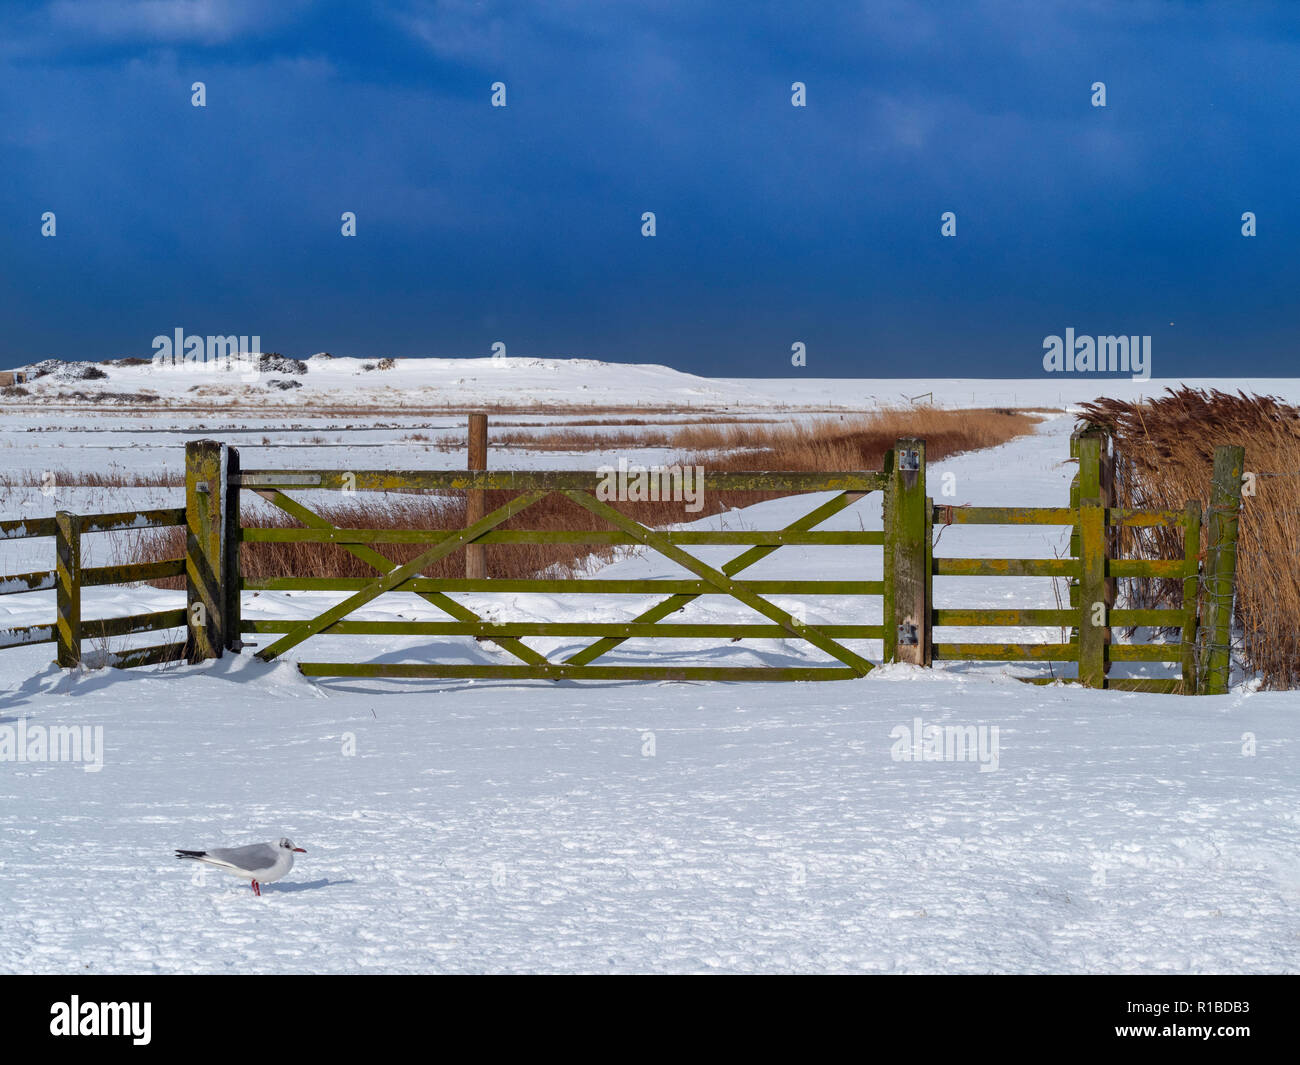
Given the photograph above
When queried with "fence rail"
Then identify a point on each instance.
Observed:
(1092, 571)
(579, 537)
(69, 577)
(214, 537)
(541, 480)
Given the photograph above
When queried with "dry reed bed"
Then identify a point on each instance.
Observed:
(113, 478)
(843, 442)
(1164, 455)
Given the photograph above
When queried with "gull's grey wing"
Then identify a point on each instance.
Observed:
(255, 857)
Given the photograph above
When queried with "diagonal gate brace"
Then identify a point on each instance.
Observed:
(383, 564)
(741, 562)
(395, 577)
(722, 582)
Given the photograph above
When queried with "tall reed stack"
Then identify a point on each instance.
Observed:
(1164, 451)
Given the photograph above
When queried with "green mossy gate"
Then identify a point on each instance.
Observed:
(581, 489)
(214, 533)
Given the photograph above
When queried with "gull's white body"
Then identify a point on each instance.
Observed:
(262, 863)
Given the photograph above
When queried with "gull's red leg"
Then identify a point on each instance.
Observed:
(257, 890)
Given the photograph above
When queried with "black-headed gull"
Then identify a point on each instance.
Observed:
(262, 863)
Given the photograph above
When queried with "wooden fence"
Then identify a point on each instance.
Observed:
(214, 622)
(1092, 569)
(69, 577)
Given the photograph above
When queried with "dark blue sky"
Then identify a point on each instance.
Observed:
(775, 224)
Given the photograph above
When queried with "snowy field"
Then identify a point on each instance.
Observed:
(493, 826)
(208, 396)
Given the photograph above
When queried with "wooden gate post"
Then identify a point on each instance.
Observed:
(928, 565)
(207, 556)
(908, 559)
(67, 588)
(475, 500)
(1112, 534)
(888, 643)
(232, 580)
(1075, 541)
(1093, 614)
(1191, 593)
(1095, 481)
(1221, 566)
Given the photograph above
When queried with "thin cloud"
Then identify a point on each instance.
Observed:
(169, 21)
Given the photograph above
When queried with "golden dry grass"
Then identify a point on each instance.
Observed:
(114, 478)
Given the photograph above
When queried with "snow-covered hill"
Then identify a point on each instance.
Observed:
(323, 382)
(382, 383)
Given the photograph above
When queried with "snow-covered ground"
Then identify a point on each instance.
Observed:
(497, 826)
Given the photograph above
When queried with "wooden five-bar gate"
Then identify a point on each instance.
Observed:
(581, 488)
(214, 624)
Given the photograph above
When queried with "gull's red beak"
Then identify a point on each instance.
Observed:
(299, 850)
